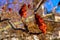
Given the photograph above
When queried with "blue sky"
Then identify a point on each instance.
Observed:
(58, 9)
(50, 4)
(10, 1)
(3, 2)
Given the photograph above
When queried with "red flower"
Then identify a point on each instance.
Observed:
(41, 24)
(23, 10)
(10, 9)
